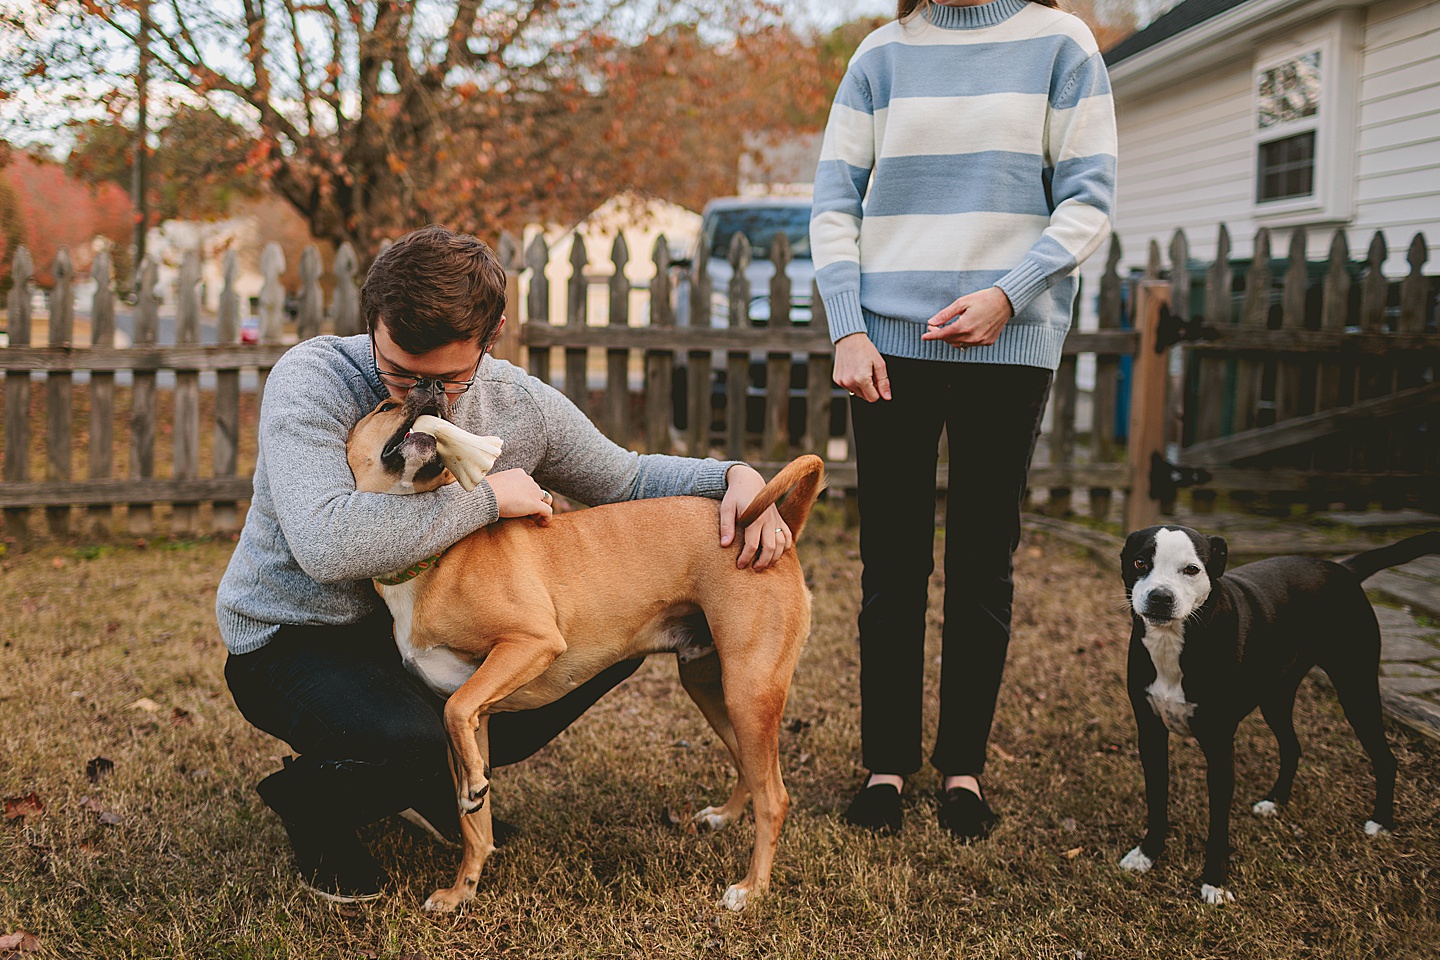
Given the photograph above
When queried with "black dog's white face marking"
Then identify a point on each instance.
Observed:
(1168, 577)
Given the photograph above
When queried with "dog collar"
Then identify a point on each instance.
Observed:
(409, 573)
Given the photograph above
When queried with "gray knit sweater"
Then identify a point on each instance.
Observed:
(311, 543)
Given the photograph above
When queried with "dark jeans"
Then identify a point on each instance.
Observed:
(991, 413)
(371, 737)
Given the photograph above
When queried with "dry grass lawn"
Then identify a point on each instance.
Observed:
(172, 854)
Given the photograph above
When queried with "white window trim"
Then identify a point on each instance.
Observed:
(1338, 39)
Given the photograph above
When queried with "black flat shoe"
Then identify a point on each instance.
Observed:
(966, 816)
(876, 808)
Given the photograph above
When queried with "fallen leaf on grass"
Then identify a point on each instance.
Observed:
(17, 808)
(58, 563)
(97, 808)
(1003, 754)
(146, 704)
(99, 768)
(1072, 854)
(18, 942)
(181, 717)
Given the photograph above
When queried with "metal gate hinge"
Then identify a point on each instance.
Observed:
(1166, 478)
(1173, 329)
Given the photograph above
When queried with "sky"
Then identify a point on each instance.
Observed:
(827, 14)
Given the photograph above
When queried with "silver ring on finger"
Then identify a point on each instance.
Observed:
(546, 496)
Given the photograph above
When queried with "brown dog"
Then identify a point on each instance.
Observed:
(516, 615)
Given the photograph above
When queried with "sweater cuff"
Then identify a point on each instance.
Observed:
(483, 502)
(1023, 284)
(710, 480)
(843, 313)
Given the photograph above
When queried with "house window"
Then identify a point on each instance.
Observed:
(1304, 86)
(1288, 102)
(1290, 90)
(1287, 168)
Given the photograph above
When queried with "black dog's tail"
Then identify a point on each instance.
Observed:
(1370, 562)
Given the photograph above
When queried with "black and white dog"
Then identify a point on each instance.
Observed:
(1207, 647)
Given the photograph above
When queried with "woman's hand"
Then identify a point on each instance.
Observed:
(975, 320)
(860, 369)
(518, 495)
(768, 537)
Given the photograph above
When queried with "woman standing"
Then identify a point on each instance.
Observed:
(968, 168)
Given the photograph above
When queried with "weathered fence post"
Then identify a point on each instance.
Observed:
(699, 378)
(102, 392)
(1147, 406)
(142, 399)
(659, 364)
(272, 302)
(1376, 374)
(536, 257)
(819, 383)
(577, 297)
(346, 304)
(227, 396)
(17, 390)
(1063, 398)
(1255, 315)
(184, 515)
(1291, 373)
(617, 359)
(1209, 390)
(58, 397)
(1175, 392)
(737, 362)
(1107, 375)
(508, 347)
(775, 438)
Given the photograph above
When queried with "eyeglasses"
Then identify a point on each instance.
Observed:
(407, 382)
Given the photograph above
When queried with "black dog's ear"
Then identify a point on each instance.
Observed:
(1219, 553)
(1135, 541)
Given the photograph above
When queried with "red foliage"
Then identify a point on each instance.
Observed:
(55, 210)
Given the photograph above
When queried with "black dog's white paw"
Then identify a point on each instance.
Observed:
(1217, 896)
(1136, 862)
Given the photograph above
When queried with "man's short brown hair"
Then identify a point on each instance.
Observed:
(433, 287)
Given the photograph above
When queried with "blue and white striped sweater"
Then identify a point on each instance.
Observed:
(972, 148)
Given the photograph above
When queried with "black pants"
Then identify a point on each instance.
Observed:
(371, 737)
(991, 413)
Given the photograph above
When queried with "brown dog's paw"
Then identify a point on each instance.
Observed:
(449, 899)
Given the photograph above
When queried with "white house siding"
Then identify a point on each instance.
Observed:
(1185, 153)
(1398, 142)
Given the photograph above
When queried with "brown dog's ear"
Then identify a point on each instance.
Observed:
(1219, 553)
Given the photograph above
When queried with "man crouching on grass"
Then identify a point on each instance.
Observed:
(312, 657)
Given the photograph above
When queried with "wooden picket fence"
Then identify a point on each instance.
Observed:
(1318, 382)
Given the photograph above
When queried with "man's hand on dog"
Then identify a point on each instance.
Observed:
(765, 539)
(518, 495)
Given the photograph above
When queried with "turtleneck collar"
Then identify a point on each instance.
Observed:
(971, 18)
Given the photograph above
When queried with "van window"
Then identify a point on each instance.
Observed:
(760, 225)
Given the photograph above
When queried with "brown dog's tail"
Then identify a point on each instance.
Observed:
(806, 475)
(1371, 562)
